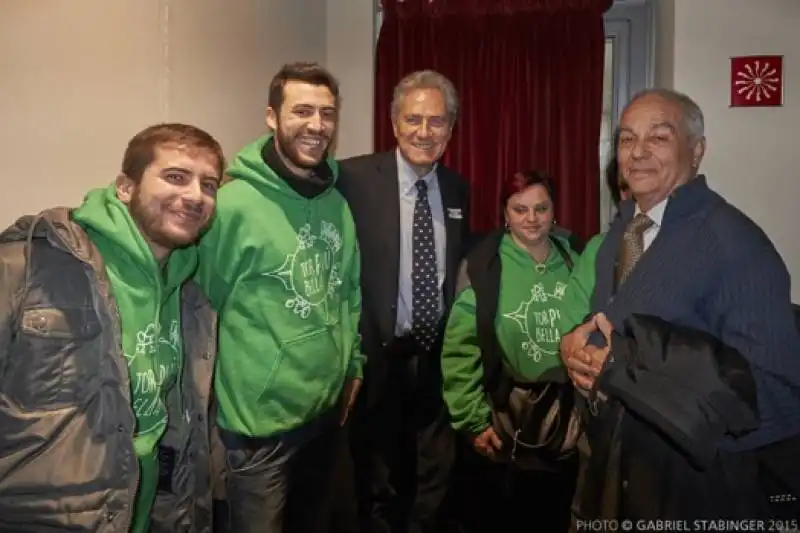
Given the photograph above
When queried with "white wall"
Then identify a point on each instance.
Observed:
(350, 55)
(665, 43)
(753, 156)
(78, 79)
(224, 54)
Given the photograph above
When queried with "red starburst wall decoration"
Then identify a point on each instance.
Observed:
(756, 81)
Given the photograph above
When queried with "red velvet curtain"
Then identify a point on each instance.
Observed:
(530, 77)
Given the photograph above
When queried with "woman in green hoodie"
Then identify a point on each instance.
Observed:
(519, 277)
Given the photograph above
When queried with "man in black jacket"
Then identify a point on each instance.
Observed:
(412, 219)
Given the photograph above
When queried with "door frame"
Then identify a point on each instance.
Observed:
(631, 25)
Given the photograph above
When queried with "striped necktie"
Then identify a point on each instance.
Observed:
(632, 246)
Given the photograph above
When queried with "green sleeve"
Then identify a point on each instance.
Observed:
(577, 299)
(218, 263)
(356, 367)
(462, 370)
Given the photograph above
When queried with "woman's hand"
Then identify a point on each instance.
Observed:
(487, 443)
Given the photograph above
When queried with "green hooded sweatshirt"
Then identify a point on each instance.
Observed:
(148, 299)
(577, 301)
(527, 326)
(283, 272)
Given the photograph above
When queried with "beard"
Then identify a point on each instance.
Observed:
(150, 220)
(288, 144)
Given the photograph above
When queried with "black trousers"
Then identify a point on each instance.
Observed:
(344, 508)
(402, 446)
(491, 497)
(280, 484)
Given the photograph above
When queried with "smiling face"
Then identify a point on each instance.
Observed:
(422, 128)
(174, 200)
(304, 125)
(656, 153)
(529, 215)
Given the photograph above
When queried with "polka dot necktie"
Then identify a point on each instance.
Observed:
(424, 279)
(632, 246)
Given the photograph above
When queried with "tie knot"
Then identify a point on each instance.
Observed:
(640, 224)
(422, 186)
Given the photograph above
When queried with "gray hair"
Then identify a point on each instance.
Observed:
(692, 114)
(427, 79)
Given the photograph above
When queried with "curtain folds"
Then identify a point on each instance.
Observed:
(530, 77)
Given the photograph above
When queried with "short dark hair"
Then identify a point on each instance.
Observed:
(523, 180)
(306, 72)
(141, 150)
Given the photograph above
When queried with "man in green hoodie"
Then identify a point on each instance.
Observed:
(281, 265)
(106, 352)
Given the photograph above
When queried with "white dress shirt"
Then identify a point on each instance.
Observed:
(656, 214)
(408, 196)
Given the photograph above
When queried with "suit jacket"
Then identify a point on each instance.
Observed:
(370, 185)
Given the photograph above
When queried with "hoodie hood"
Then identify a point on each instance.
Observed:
(110, 226)
(249, 166)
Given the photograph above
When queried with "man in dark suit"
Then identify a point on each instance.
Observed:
(412, 221)
(680, 252)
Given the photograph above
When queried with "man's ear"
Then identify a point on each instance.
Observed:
(698, 153)
(272, 119)
(125, 188)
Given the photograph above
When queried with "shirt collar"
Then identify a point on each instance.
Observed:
(656, 213)
(408, 177)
